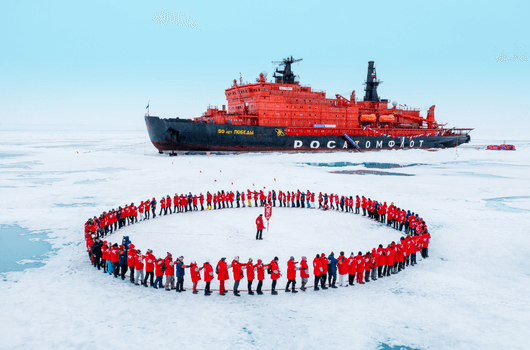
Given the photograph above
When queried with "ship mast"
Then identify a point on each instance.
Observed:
(371, 84)
(286, 76)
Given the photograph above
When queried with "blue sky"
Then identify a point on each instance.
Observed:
(94, 65)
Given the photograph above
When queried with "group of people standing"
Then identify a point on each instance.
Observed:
(160, 273)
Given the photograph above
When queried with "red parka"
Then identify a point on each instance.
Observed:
(222, 271)
(208, 272)
(342, 265)
(291, 270)
(259, 223)
(304, 269)
(237, 270)
(195, 273)
(275, 270)
(317, 266)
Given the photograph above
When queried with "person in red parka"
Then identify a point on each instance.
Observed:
(115, 259)
(389, 260)
(250, 274)
(352, 269)
(291, 274)
(222, 275)
(380, 260)
(342, 264)
(304, 273)
(360, 267)
(237, 270)
(260, 267)
(425, 237)
(195, 275)
(139, 267)
(324, 274)
(208, 276)
(159, 273)
(169, 272)
(275, 275)
(317, 270)
(259, 226)
(149, 266)
(131, 261)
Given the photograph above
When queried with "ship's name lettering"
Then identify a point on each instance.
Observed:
(367, 145)
(236, 132)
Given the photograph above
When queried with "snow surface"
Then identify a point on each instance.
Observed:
(472, 293)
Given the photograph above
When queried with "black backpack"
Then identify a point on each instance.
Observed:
(269, 269)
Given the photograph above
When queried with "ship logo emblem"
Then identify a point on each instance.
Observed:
(279, 132)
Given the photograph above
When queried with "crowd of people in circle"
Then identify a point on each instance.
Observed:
(160, 272)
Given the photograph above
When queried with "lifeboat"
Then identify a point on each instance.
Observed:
(386, 118)
(368, 118)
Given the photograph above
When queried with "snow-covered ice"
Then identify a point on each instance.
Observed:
(472, 293)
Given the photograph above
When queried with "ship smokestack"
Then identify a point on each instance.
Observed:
(371, 84)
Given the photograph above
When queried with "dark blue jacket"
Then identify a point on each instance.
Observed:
(180, 270)
(332, 264)
(123, 258)
(126, 242)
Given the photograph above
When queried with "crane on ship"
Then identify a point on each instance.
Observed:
(244, 106)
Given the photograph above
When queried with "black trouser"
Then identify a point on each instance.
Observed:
(332, 276)
(146, 214)
(260, 284)
(132, 274)
(249, 286)
(317, 279)
(169, 208)
(367, 276)
(123, 269)
(351, 278)
(303, 205)
(202, 206)
(192, 203)
(195, 207)
(154, 212)
(147, 275)
(237, 203)
(293, 282)
(357, 210)
(97, 262)
(379, 271)
(115, 269)
(274, 285)
(259, 233)
(180, 284)
(323, 280)
(274, 202)
(364, 211)
(207, 288)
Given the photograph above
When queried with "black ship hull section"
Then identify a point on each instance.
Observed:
(177, 135)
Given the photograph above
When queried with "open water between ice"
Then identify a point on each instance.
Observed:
(22, 249)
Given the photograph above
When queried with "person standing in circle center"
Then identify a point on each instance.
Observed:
(259, 226)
